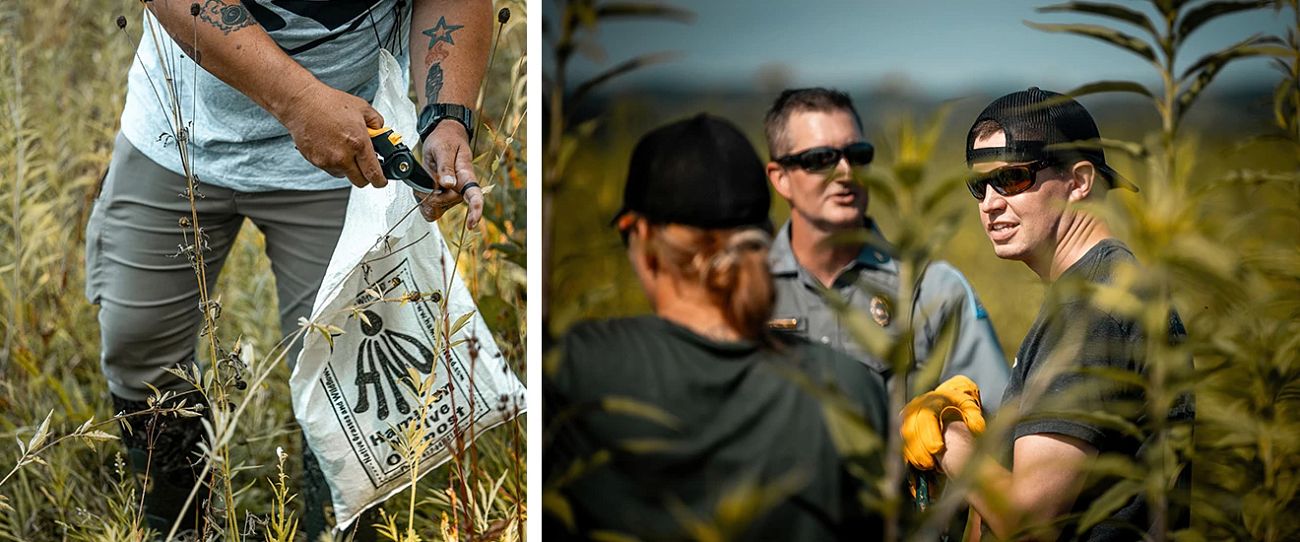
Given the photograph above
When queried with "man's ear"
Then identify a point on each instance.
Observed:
(779, 178)
(1083, 178)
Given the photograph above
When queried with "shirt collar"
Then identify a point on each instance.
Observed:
(781, 255)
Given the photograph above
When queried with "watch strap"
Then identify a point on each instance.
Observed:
(434, 113)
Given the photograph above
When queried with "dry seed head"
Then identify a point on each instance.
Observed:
(194, 9)
(121, 21)
(503, 15)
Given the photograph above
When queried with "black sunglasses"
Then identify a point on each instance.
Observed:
(1007, 181)
(820, 158)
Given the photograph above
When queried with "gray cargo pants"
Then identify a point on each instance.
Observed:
(146, 289)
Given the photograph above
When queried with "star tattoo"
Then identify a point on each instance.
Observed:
(442, 32)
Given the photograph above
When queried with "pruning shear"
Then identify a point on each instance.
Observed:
(397, 160)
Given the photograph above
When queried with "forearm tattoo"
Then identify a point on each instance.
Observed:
(440, 40)
(194, 54)
(228, 16)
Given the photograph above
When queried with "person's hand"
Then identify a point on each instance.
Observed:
(329, 128)
(956, 400)
(448, 159)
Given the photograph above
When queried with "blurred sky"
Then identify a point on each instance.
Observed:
(939, 47)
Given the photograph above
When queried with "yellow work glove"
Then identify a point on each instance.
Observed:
(924, 418)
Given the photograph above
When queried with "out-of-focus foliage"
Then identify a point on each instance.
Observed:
(1215, 228)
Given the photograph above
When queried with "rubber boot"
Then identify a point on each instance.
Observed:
(316, 499)
(162, 448)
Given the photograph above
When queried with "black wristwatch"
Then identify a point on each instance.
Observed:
(438, 112)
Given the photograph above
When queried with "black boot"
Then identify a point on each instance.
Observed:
(163, 448)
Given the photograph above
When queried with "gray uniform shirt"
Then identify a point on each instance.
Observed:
(866, 285)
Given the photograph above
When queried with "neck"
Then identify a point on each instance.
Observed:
(816, 252)
(688, 305)
(1082, 232)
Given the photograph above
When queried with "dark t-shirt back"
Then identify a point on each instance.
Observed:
(725, 419)
(1078, 398)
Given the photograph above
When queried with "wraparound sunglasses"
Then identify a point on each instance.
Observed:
(1007, 181)
(820, 158)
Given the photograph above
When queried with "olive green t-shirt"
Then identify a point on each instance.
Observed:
(651, 427)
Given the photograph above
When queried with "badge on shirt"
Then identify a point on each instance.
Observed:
(880, 311)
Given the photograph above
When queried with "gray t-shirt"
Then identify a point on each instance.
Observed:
(235, 143)
(1076, 401)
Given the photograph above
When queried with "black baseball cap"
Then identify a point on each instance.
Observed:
(698, 172)
(1040, 124)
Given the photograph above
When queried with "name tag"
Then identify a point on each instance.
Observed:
(786, 324)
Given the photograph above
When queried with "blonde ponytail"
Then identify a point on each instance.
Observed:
(730, 264)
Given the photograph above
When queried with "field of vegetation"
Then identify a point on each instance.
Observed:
(1216, 227)
(63, 72)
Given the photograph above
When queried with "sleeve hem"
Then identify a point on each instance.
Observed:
(1086, 433)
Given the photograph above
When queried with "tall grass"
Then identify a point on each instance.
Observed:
(63, 67)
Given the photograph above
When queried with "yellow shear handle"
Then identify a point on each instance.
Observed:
(393, 137)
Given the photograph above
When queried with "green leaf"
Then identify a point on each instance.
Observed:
(1116, 465)
(1106, 10)
(1252, 46)
(649, 445)
(611, 536)
(1282, 101)
(1118, 376)
(1110, 86)
(1193, 91)
(98, 435)
(1204, 13)
(1113, 37)
(645, 11)
(1110, 501)
(42, 432)
(460, 322)
(329, 338)
(1132, 148)
(615, 404)
(618, 70)
(556, 505)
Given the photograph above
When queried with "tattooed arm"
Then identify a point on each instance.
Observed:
(449, 53)
(328, 125)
